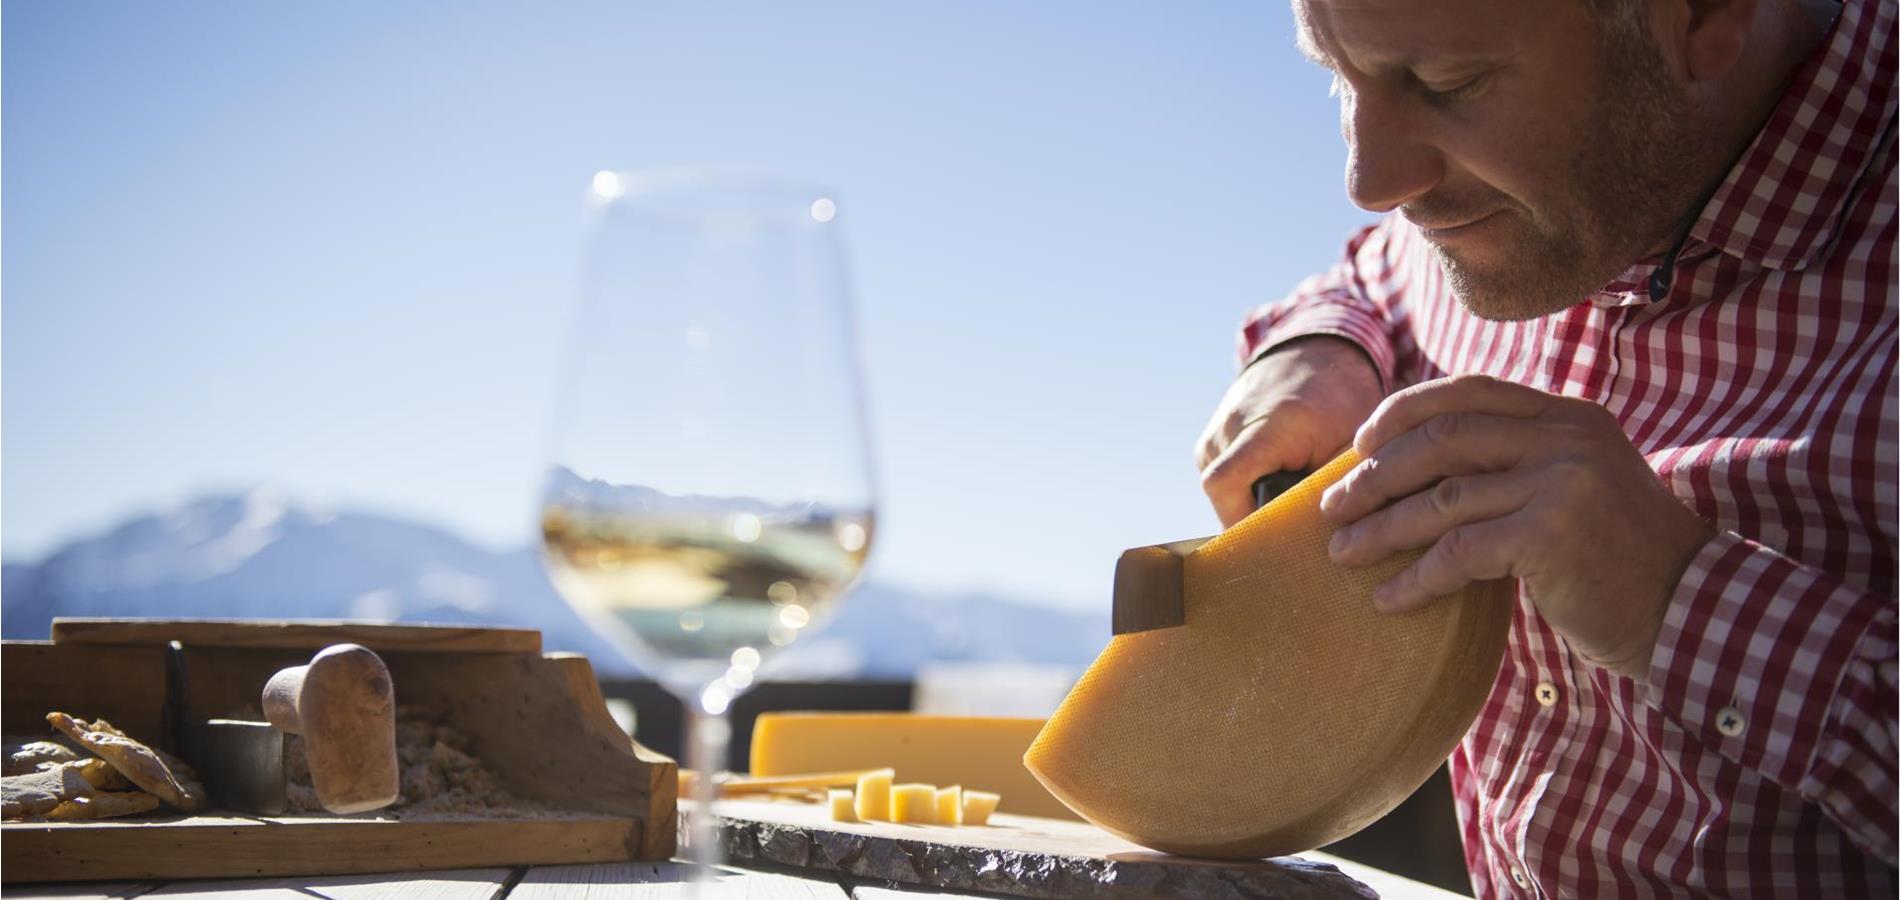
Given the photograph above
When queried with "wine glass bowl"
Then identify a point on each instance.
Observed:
(709, 497)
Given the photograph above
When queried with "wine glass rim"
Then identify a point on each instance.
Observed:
(714, 192)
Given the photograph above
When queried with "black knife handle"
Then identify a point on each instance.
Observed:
(1271, 486)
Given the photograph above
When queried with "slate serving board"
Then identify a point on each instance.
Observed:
(1016, 856)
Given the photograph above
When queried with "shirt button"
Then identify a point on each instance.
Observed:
(1729, 721)
(1546, 693)
(1523, 880)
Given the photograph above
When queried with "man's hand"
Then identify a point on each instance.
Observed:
(1294, 408)
(1501, 480)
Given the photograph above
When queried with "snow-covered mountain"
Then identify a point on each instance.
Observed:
(256, 556)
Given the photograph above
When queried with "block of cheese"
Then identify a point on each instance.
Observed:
(977, 806)
(1286, 713)
(914, 803)
(873, 797)
(950, 805)
(981, 751)
(844, 804)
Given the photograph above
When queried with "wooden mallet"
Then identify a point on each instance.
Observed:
(344, 705)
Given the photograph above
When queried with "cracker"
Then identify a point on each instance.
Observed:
(37, 755)
(102, 776)
(105, 806)
(35, 793)
(136, 761)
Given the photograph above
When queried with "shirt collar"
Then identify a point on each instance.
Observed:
(1783, 201)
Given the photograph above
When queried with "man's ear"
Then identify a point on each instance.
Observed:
(1712, 38)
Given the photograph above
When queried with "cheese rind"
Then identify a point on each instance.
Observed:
(970, 750)
(1286, 713)
(873, 797)
(914, 803)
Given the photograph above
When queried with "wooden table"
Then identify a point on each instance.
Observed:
(619, 880)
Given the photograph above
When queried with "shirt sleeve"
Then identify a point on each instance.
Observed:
(1341, 302)
(1790, 672)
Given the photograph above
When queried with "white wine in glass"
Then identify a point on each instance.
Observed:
(709, 498)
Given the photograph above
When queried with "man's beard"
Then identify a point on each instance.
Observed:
(1626, 193)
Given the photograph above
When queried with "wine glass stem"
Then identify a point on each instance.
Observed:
(708, 734)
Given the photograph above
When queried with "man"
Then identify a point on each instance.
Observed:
(1653, 245)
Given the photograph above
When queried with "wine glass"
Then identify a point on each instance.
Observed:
(710, 494)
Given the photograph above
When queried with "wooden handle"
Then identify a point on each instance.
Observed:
(344, 705)
(1148, 589)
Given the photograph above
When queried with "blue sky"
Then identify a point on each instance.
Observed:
(332, 248)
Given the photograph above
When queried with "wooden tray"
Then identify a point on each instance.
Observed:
(537, 721)
(1018, 856)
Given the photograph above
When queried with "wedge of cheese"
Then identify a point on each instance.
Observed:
(1286, 713)
(967, 750)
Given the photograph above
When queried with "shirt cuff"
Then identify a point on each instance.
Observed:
(1752, 652)
(1278, 324)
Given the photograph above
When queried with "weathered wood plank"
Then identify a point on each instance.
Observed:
(309, 634)
(467, 884)
(86, 891)
(658, 880)
(212, 847)
(125, 685)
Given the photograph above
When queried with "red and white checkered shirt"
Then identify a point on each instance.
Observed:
(1759, 757)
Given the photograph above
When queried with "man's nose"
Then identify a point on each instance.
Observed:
(1391, 158)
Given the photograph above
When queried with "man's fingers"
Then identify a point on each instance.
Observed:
(1412, 407)
(1445, 446)
(1255, 451)
(1463, 555)
(1421, 519)
(1225, 479)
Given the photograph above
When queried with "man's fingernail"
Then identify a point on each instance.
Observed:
(1383, 597)
(1329, 498)
(1342, 539)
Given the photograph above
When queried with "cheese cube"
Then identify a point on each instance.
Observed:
(950, 805)
(977, 806)
(914, 803)
(843, 805)
(874, 795)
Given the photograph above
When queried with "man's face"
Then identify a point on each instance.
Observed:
(1540, 151)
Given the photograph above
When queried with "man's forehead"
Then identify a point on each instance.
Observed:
(1371, 34)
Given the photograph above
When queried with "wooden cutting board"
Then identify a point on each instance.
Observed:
(537, 721)
(1017, 856)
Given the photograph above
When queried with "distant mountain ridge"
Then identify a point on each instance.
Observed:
(255, 555)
